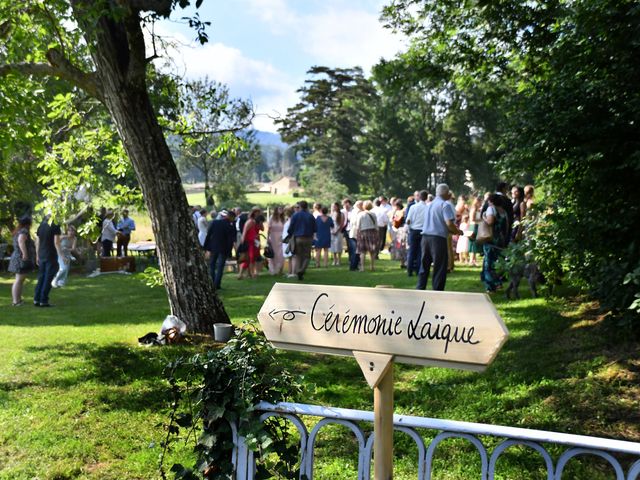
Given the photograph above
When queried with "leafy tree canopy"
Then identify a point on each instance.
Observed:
(98, 49)
(563, 79)
(328, 122)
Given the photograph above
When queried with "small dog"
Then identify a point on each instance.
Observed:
(533, 275)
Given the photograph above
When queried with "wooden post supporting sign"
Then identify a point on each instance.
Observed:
(383, 426)
(378, 372)
(380, 326)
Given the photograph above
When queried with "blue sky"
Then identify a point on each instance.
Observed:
(263, 48)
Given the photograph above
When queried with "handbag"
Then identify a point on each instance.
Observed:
(25, 265)
(485, 233)
(268, 251)
(291, 246)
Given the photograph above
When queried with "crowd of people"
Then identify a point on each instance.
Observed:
(51, 252)
(431, 231)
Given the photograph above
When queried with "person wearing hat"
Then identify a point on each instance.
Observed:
(439, 220)
(221, 236)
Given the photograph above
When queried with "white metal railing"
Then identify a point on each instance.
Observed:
(577, 445)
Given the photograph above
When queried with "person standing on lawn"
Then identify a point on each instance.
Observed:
(109, 233)
(126, 225)
(48, 252)
(67, 246)
(439, 221)
(219, 242)
(415, 221)
(302, 228)
(23, 258)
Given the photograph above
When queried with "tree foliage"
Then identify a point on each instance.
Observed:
(328, 122)
(98, 49)
(216, 140)
(394, 132)
(212, 391)
(564, 82)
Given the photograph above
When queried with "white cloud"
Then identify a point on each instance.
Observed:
(271, 106)
(330, 33)
(270, 90)
(275, 13)
(337, 36)
(229, 65)
(347, 38)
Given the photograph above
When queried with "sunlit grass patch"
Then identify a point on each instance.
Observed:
(80, 399)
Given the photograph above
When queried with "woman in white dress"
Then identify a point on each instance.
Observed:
(203, 225)
(339, 222)
(276, 227)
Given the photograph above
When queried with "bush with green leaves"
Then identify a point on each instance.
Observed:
(213, 390)
(540, 244)
(559, 108)
(152, 277)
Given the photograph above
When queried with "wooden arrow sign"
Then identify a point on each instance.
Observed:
(445, 329)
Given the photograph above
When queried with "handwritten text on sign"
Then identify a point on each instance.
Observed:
(462, 330)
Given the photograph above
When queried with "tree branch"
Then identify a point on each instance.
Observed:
(187, 132)
(161, 7)
(54, 25)
(56, 68)
(195, 133)
(67, 71)
(24, 68)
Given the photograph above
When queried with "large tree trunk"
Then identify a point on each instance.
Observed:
(123, 84)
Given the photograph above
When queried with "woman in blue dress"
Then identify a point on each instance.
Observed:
(324, 224)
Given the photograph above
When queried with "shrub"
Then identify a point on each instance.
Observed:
(214, 390)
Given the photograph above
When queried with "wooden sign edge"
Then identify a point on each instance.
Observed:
(377, 291)
(506, 335)
(476, 367)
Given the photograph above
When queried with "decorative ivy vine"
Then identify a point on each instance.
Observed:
(210, 391)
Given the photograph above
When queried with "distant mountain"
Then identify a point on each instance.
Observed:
(269, 138)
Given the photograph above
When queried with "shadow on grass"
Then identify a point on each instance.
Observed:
(555, 373)
(122, 377)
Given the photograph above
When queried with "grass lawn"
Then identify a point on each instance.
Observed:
(194, 197)
(79, 399)
(254, 198)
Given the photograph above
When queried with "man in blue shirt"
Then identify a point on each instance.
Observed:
(218, 243)
(125, 226)
(415, 220)
(439, 220)
(302, 227)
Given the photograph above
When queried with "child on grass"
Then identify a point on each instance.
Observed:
(462, 248)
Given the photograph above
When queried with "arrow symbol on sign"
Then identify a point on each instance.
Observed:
(288, 316)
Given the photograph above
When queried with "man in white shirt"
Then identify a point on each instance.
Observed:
(415, 221)
(382, 221)
(354, 260)
(350, 215)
